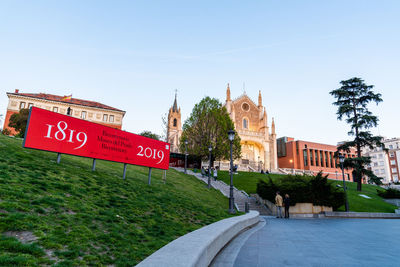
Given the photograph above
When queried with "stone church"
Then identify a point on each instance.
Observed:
(257, 140)
(251, 123)
(174, 127)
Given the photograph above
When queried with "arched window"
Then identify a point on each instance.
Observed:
(245, 124)
(175, 122)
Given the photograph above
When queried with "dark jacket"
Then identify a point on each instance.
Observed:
(286, 201)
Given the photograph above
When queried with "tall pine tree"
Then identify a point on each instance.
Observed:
(352, 99)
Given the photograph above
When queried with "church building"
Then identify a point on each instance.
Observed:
(257, 139)
(174, 127)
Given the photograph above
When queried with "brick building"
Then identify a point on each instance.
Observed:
(309, 157)
(79, 108)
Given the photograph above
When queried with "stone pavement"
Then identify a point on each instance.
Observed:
(315, 242)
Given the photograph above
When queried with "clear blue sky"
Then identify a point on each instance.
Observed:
(133, 55)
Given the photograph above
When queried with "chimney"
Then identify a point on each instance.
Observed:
(16, 91)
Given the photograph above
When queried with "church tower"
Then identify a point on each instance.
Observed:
(174, 128)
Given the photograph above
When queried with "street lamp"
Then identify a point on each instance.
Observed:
(341, 160)
(209, 167)
(186, 143)
(231, 136)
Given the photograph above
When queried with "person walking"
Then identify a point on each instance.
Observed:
(286, 203)
(215, 173)
(278, 203)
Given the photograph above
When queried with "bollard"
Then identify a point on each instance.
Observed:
(149, 181)
(246, 207)
(124, 171)
(58, 158)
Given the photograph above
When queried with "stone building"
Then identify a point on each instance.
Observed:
(174, 127)
(79, 108)
(258, 141)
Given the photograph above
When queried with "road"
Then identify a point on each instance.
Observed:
(315, 242)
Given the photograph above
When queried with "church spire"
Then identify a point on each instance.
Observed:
(175, 106)
(228, 93)
(273, 126)
(259, 99)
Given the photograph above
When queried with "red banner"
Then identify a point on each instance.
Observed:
(55, 132)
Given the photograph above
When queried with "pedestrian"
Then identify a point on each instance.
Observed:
(215, 173)
(286, 203)
(278, 203)
(262, 171)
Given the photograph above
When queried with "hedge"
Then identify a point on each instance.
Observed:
(303, 189)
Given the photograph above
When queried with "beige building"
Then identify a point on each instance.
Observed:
(257, 139)
(79, 108)
(174, 127)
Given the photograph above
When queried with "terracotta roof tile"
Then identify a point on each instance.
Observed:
(75, 101)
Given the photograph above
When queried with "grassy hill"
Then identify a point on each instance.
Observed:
(247, 181)
(66, 215)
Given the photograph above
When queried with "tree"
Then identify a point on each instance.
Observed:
(18, 121)
(352, 100)
(151, 135)
(207, 125)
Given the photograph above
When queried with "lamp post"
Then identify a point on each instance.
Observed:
(186, 143)
(341, 160)
(231, 136)
(209, 167)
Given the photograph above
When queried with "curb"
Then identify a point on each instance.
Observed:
(198, 248)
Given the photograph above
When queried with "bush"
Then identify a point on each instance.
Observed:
(389, 193)
(303, 189)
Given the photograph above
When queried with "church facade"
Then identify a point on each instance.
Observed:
(258, 140)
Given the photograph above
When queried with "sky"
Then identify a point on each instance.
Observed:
(132, 55)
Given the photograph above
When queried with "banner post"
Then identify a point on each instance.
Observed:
(94, 165)
(149, 181)
(58, 158)
(123, 176)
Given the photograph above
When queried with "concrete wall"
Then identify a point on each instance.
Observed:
(199, 247)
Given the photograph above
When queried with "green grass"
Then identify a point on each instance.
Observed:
(247, 181)
(84, 218)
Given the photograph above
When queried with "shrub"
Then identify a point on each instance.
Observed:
(389, 193)
(303, 189)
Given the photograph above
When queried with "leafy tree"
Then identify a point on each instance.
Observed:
(18, 121)
(352, 100)
(207, 125)
(149, 134)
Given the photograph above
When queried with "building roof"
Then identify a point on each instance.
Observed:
(75, 101)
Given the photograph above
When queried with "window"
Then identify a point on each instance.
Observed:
(316, 158)
(55, 109)
(326, 159)
(390, 146)
(245, 124)
(395, 177)
(83, 115)
(111, 118)
(321, 158)
(105, 117)
(382, 171)
(305, 157)
(394, 170)
(391, 154)
(30, 105)
(22, 105)
(331, 159)
(381, 163)
(375, 164)
(311, 157)
(392, 162)
(175, 122)
(380, 156)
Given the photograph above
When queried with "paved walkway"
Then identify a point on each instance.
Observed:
(315, 242)
(239, 196)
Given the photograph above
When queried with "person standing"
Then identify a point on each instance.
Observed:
(286, 203)
(279, 204)
(215, 173)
